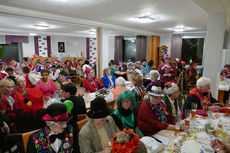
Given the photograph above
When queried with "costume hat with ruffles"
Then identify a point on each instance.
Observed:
(58, 111)
(32, 100)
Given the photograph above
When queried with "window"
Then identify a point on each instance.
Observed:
(130, 50)
(192, 49)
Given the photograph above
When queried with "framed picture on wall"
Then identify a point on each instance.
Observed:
(163, 50)
(61, 47)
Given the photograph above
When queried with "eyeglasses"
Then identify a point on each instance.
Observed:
(62, 123)
(156, 97)
(126, 101)
(10, 86)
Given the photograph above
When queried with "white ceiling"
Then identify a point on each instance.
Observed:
(74, 16)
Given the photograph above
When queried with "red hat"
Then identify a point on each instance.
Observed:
(183, 62)
(32, 100)
(193, 64)
(87, 70)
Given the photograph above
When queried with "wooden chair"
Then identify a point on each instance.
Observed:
(13, 143)
(80, 75)
(81, 117)
(129, 74)
(111, 104)
(25, 138)
(81, 123)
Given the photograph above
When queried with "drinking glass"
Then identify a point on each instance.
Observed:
(194, 107)
(186, 115)
(177, 129)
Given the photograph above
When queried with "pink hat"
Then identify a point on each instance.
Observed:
(166, 56)
(87, 70)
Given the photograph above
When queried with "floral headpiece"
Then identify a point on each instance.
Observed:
(129, 147)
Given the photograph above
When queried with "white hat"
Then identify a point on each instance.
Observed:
(155, 91)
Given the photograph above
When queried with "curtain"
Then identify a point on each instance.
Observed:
(140, 48)
(176, 46)
(87, 48)
(48, 46)
(36, 45)
(119, 48)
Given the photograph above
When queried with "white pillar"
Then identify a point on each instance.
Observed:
(213, 48)
(107, 49)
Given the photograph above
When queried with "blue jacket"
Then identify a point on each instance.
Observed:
(106, 82)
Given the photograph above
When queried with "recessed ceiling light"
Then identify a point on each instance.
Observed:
(145, 19)
(92, 31)
(41, 27)
(179, 28)
(33, 34)
(61, 0)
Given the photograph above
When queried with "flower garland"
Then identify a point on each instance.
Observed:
(129, 147)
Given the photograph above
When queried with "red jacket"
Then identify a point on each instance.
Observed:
(5, 106)
(93, 85)
(147, 121)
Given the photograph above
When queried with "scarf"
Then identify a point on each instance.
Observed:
(126, 117)
(93, 82)
(160, 111)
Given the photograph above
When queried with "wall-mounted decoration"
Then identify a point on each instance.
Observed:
(92, 50)
(42, 46)
(61, 47)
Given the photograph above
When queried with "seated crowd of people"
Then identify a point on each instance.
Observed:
(42, 96)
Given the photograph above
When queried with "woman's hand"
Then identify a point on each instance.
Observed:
(107, 150)
(183, 127)
(217, 145)
(5, 128)
(214, 108)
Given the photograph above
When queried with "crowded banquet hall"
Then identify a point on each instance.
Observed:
(114, 76)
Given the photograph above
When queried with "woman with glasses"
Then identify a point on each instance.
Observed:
(124, 116)
(153, 114)
(19, 89)
(7, 104)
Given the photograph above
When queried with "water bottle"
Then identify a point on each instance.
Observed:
(57, 95)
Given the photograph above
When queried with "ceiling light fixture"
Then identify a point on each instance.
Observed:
(33, 34)
(92, 32)
(41, 26)
(61, 0)
(145, 19)
(179, 28)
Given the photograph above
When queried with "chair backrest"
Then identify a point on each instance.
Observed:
(25, 138)
(13, 143)
(111, 104)
(129, 74)
(79, 71)
(81, 117)
(81, 123)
